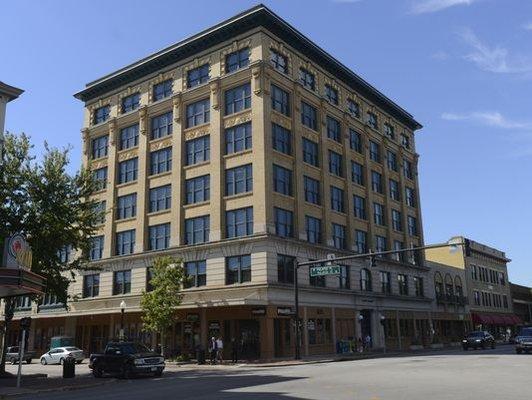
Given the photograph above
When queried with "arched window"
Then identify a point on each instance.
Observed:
(438, 284)
(365, 280)
(449, 288)
(458, 288)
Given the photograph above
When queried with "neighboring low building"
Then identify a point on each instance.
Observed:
(487, 283)
(522, 302)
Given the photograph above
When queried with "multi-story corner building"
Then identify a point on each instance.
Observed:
(451, 316)
(488, 289)
(239, 150)
(7, 94)
(522, 302)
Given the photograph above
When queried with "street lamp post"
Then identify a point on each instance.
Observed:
(122, 309)
(382, 319)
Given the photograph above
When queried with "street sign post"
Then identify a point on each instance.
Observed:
(325, 270)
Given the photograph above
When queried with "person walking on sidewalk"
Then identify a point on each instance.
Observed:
(234, 350)
(219, 350)
(213, 349)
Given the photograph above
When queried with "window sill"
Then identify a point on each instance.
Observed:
(125, 184)
(237, 114)
(236, 154)
(194, 205)
(128, 219)
(99, 158)
(159, 212)
(194, 127)
(160, 139)
(238, 195)
(191, 166)
(160, 174)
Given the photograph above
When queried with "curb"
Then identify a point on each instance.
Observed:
(57, 389)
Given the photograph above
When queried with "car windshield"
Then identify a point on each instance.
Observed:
(132, 348)
(526, 332)
(71, 349)
(476, 334)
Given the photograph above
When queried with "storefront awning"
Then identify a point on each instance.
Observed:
(495, 319)
(17, 282)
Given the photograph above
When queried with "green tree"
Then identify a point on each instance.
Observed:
(51, 208)
(159, 305)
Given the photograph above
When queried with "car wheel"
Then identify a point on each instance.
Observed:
(483, 346)
(28, 361)
(158, 374)
(518, 351)
(79, 361)
(526, 351)
(465, 348)
(43, 361)
(493, 345)
(126, 372)
(97, 371)
(13, 361)
(61, 361)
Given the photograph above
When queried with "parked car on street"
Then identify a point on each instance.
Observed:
(126, 359)
(58, 354)
(523, 341)
(12, 355)
(478, 339)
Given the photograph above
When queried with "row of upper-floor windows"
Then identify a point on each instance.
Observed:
(487, 275)
(488, 299)
(195, 77)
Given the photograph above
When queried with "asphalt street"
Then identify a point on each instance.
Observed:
(482, 374)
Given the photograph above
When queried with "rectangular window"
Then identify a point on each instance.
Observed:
(100, 209)
(374, 151)
(380, 244)
(100, 178)
(307, 79)
(337, 199)
(410, 197)
(122, 282)
(282, 180)
(125, 242)
(407, 169)
(238, 138)
(389, 131)
(378, 214)
(99, 147)
(126, 206)
(334, 130)
(238, 269)
(344, 278)
(198, 150)
(128, 170)
(396, 221)
(237, 60)
(196, 273)
(335, 163)
(197, 230)
(239, 222)
(357, 173)
(395, 194)
(91, 285)
(312, 190)
(309, 116)
(278, 61)
(386, 285)
(161, 161)
(101, 114)
(160, 198)
(355, 141)
(361, 242)
(412, 226)
(198, 113)
(338, 236)
(160, 236)
(331, 94)
(476, 297)
(198, 189)
(197, 76)
(354, 108)
(405, 141)
(162, 90)
(239, 180)
(130, 103)
(402, 281)
(359, 207)
(161, 125)
(397, 246)
(391, 160)
(376, 182)
(149, 277)
(418, 286)
(129, 137)
(96, 250)
(282, 139)
(285, 268)
(313, 228)
(310, 152)
(372, 120)
(238, 99)
(280, 100)
(284, 222)
(317, 281)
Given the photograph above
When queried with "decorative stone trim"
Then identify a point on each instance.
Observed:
(195, 133)
(158, 79)
(281, 120)
(333, 84)
(215, 94)
(282, 49)
(256, 73)
(85, 139)
(237, 120)
(112, 131)
(126, 155)
(308, 66)
(235, 46)
(94, 106)
(99, 164)
(129, 91)
(197, 62)
(176, 103)
(161, 144)
(143, 114)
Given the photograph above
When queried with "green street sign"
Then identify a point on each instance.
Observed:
(325, 270)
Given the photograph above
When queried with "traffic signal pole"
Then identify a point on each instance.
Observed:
(371, 255)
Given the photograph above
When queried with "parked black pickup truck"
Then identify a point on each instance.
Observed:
(126, 359)
(12, 355)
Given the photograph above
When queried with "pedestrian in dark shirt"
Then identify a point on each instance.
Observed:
(234, 350)
(213, 350)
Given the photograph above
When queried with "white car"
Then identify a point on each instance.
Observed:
(59, 354)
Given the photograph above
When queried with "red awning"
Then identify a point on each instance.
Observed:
(495, 319)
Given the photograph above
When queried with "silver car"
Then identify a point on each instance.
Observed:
(58, 354)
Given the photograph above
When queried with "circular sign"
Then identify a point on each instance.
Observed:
(16, 244)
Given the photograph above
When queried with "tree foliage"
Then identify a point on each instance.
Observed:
(159, 305)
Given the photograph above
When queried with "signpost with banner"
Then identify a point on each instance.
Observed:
(325, 270)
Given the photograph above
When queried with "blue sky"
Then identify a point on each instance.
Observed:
(463, 68)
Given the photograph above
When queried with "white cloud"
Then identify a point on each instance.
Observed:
(494, 59)
(430, 6)
(488, 118)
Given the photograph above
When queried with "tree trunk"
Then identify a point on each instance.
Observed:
(163, 334)
(9, 304)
